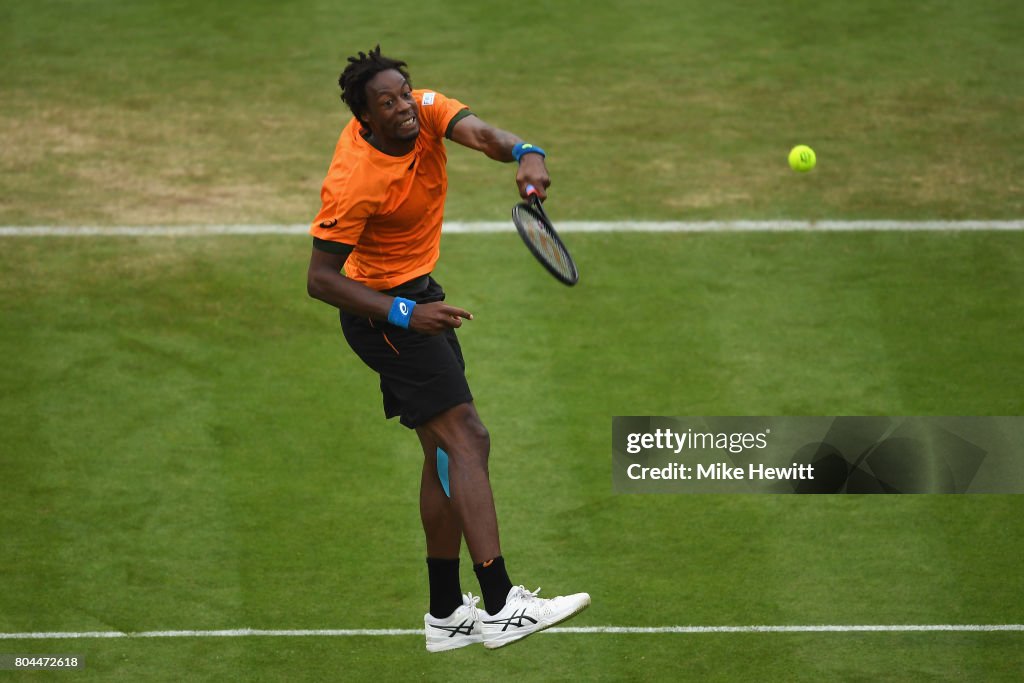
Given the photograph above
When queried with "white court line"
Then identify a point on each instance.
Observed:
(248, 632)
(461, 227)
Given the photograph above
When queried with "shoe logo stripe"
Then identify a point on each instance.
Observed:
(519, 618)
(465, 628)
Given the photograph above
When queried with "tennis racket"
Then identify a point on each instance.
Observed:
(541, 239)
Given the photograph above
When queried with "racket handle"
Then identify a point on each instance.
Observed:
(530, 190)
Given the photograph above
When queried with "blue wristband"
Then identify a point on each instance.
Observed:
(522, 148)
(401, 312)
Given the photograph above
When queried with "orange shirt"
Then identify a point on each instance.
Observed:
(389, 208)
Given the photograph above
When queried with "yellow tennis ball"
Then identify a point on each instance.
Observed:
(802, 158)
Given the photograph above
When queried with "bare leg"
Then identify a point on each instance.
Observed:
(440, 524)
(463, 436)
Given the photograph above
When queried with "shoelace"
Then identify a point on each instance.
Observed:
(473, 600)
(525, 594)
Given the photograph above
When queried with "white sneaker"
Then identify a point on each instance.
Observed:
(460, 629)
(524, 613)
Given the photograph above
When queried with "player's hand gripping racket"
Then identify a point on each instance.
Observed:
(541, 239)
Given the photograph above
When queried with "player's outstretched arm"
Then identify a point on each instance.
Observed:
(325, 281)
(498, 144)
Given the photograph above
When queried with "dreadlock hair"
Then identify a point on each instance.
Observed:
(359, 72)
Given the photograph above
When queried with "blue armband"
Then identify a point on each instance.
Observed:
(522, 148)
(401, 312)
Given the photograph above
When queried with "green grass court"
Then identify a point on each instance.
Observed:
(186, 442)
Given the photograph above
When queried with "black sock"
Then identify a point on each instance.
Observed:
(445, 589)
(494, 583)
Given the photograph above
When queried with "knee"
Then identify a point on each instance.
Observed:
(468, 438)
(461, 433)
(475, 442)
(477, 434)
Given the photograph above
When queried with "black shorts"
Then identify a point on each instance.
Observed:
(421, 375)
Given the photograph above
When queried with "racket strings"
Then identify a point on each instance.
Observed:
(551, 250)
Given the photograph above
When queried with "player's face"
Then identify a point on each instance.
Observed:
(392, 115)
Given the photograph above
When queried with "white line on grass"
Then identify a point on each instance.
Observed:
(248, 632)
(457, 227)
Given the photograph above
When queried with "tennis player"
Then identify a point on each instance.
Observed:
(375, 243)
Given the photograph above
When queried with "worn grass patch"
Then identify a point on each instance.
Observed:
(187, 113)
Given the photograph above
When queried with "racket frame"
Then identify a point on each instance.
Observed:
(533, 206)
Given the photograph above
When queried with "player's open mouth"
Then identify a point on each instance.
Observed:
(408, 123)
